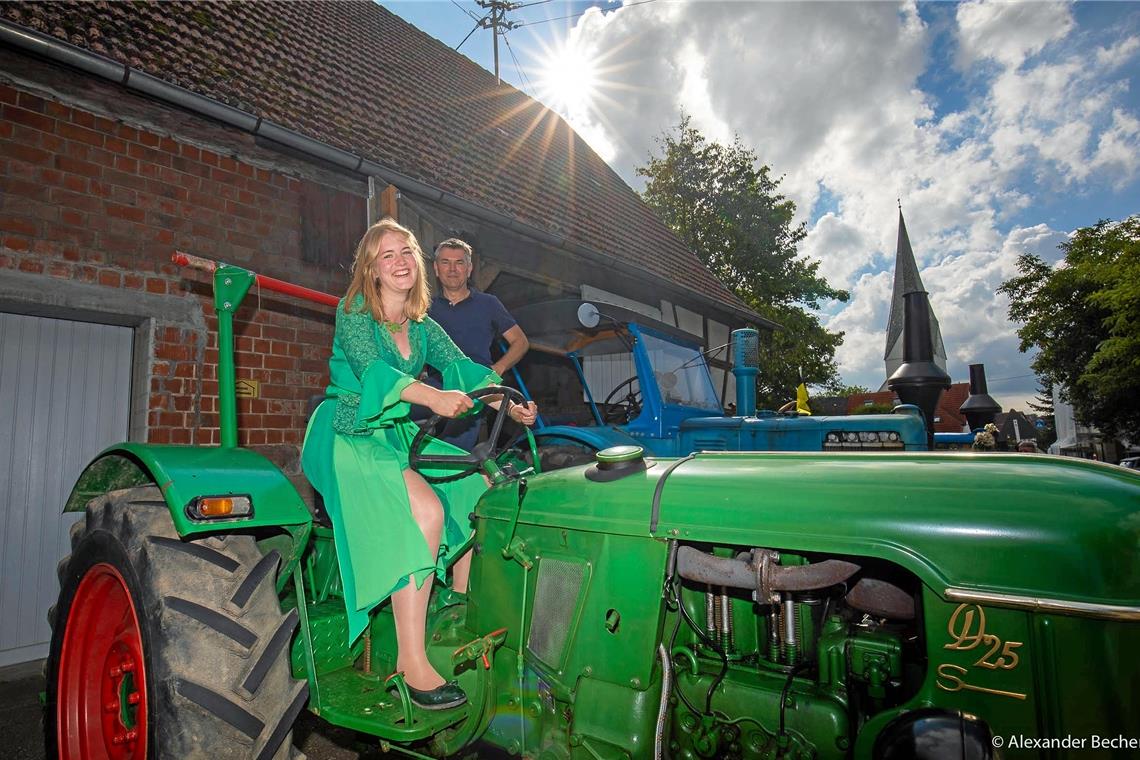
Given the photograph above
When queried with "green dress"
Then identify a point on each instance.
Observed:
(356, 448)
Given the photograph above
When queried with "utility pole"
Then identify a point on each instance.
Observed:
(494, 22)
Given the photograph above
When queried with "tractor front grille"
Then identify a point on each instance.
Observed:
(556, 596)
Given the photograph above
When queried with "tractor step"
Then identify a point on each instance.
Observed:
(367, 704)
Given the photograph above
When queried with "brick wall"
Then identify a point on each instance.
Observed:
(94, 200)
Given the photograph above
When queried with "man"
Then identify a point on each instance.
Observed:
(474, 320)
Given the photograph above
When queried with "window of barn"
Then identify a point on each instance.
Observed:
(332, 223)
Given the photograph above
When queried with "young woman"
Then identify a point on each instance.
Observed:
(393, 530)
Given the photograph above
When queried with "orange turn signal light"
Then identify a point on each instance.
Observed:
(219, 507)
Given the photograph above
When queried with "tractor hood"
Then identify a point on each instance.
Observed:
(1014, 524)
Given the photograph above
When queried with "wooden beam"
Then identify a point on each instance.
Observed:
(485, 274)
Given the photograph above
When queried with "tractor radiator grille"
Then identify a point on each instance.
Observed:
(555, 599)
(710, 444)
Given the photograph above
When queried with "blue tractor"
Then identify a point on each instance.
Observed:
(669, 405)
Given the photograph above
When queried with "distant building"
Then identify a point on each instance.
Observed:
(947, 418)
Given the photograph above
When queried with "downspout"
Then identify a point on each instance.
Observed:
(50, 48)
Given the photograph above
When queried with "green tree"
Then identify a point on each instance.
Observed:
(837, 388)
(726, 207)
(1083, 317)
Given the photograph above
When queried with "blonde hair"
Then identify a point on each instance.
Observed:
(419, 299)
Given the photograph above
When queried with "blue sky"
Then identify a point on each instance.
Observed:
(1002, 127)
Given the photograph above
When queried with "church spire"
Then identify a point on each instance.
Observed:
(907, 281)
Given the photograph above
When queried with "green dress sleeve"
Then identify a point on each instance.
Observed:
(380, 383)
(459, 372)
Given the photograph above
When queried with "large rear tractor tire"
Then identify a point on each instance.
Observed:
(164, 649)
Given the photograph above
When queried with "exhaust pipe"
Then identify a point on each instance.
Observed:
(918, 380)
(980, 407)
(745, 367)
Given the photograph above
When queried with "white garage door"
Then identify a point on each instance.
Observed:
(65, 390)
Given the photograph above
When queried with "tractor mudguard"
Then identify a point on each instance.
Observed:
(184, 473)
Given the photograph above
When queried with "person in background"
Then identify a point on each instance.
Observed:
(474, 320)
(394, 532)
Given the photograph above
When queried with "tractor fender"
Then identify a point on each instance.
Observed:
(183, 473)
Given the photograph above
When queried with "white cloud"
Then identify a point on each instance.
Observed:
(830, 95)
(1009, 32)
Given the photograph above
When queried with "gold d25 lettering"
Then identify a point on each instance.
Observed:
(967, 631)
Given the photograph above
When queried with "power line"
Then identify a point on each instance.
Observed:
(518, 68)
(474, 18)
(477, 25)
(575, 15)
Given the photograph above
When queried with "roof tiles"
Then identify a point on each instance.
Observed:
(353, 75)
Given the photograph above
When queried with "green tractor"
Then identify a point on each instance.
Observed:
(718, 605)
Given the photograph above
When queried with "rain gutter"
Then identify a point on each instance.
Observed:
(58, 51)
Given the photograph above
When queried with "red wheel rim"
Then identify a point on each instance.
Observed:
(101, 700)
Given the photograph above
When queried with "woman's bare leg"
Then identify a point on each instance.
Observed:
(409, 604)
(461, 568)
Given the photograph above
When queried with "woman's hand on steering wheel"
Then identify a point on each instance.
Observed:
(509, 400)
(450, 404)
(524, 415)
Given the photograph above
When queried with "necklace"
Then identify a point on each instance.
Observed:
(394, 327)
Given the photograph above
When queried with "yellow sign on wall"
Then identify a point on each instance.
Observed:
(248, 388)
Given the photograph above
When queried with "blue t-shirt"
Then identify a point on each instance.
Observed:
(473, 323)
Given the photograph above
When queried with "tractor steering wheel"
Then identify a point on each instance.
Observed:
(481, 452)
(629, 406)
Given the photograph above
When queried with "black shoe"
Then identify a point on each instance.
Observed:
(440, 698)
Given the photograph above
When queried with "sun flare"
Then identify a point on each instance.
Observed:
(568, 80)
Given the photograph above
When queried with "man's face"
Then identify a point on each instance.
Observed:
(452, 268)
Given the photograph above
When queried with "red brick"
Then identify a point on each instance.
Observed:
(18, 225)
(80, 134)
(58, 110)
(125, 212)
(180, 436)
(128, 165)
(59, 269)
(31, 102)
(84, 118)
(8, 94)
(76, 184)
(133, 281)
(110, 278)
(168, 145)
(27, 265)
(28, 153)
(28, 118)
(149, 139)
(157, 434)
(130, 134)
(155, 285)
(78, 166)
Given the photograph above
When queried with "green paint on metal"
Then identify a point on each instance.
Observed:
(231, 284)
(183, 473)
